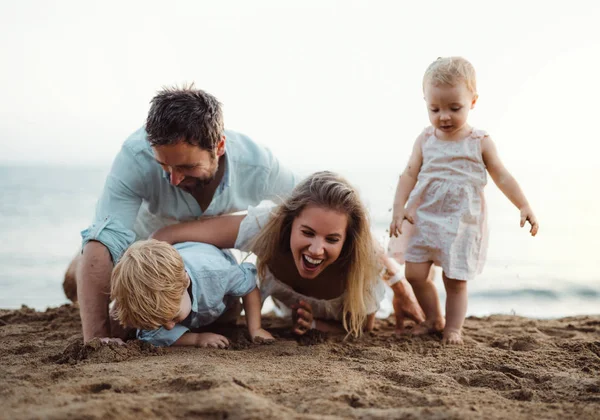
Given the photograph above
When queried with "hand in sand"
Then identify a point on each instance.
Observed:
(262, 336)
(302, 317)
(216, 341)
(528, 216)
(397, 219)
(108, 340)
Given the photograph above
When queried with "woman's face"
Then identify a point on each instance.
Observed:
(317, 238)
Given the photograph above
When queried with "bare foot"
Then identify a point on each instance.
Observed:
(452, 337)
(428, 327)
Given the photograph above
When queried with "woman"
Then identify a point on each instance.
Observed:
(315, 253)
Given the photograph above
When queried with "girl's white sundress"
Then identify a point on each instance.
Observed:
(448, 207)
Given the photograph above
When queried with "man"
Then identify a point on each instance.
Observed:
(182, 165)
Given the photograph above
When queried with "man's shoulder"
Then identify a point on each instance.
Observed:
(245, 151)
(137, 143)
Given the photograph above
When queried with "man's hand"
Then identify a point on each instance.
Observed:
(528, 216)
(302, 317)
(108, 340)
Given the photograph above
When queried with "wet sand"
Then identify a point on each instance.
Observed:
(510, 367)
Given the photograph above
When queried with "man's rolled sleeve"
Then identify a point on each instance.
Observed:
(118, 206)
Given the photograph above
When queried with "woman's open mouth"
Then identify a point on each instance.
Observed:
(311, 264)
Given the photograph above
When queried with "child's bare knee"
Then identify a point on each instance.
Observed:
(454, 286)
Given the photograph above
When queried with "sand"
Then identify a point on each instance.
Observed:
(510, 367)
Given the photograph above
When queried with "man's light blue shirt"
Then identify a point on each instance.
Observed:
(215, 276)
(138, 188)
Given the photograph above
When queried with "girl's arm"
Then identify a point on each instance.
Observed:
(507, 183)
(220, 231)
(406, 183)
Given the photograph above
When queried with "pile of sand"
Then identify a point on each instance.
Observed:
(510, 367)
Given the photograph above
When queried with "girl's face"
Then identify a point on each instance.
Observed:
(448, 107)
(317, 237)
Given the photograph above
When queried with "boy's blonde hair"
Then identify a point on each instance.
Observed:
(147, 285)
(450, 71)
(358, 258)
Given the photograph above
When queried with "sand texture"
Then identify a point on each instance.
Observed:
(510, 367)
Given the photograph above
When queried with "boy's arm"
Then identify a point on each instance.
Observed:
(507, 183)
(252, 306)
(220, 231)
(202, 340)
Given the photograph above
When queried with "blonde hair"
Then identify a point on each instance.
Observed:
(450, 71)
(147, 284)
(358, 256)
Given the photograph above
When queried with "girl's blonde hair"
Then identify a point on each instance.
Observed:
(147, 285)
(358, 258)
(449, 71)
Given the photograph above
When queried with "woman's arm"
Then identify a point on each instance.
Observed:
(220, 231)
(507, 183)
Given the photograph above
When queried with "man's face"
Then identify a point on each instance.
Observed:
(189, 166)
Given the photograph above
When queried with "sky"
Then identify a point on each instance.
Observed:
(333, 84)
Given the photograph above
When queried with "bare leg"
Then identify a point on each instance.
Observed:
(456, 309)
(70, 281)
(420, 276)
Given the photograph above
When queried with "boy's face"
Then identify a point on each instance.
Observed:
(185, 307)
(449, 106)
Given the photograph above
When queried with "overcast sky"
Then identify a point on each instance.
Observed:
(313, 80)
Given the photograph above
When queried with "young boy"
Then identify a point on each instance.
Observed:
(165, 291)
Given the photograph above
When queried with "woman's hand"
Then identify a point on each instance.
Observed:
(302, 317)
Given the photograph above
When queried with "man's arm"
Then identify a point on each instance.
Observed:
(105, 240)
(93, 289)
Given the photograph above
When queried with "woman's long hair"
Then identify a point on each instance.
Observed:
(358, 258)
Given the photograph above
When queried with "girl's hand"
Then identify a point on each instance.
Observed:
(528, 216)
(302, 317)
(262, 336)
(397, 219)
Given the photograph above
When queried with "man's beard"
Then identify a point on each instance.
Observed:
(192, 184)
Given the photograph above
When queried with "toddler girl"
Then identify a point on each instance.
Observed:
(440, 195)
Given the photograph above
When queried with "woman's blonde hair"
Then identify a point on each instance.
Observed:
(358, 257)
(147, 285)
(451, 70)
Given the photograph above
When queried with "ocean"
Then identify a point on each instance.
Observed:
(556, 274)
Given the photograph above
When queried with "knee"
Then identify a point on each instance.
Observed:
(455, 286)
(416, 278)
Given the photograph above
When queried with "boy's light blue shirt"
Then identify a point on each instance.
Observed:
(214, 275)
(252, 174)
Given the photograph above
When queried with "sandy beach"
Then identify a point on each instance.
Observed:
(510, 367)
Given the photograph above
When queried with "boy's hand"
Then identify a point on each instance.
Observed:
(397, 219)
(212, 340)
(302, 317)
(261, 336)
(528, 216)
